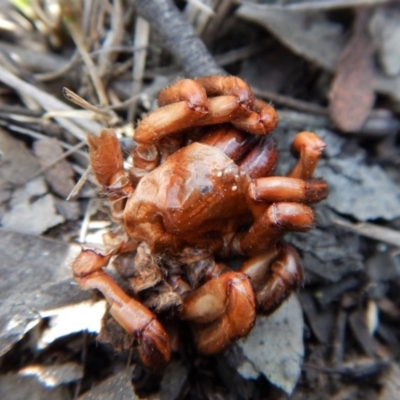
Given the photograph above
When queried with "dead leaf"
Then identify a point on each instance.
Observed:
(275, 346)
(84, 316)
(173, 380)
(17, 161)
(54, 375)
(311, 35)
(391, 384)
(385, 30)
(118, 387)
(352, 93)
(356, 188)
(307, 33)
(33, 217)
(58, 176)
(35, 276)
(15, 387)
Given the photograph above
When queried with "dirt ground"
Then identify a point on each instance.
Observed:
(69, 69)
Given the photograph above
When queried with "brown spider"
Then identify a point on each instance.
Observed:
(200, 191)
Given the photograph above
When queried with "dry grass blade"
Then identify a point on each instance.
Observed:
(328, 4)
(76, 35)
(49, 103)
(372, 231)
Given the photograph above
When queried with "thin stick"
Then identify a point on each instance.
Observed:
(76, 36)
(80, 183)
(142, 34)
(56, 160)
(326, 4)
(50, 103)
(372, 231)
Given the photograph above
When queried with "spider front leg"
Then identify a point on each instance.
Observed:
(141, 323)
(275, 274)
(221, 311)
(308, 146)
(107, 163)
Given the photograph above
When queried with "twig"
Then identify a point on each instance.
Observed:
(39, 136)
(291, 102)
(56, 160)
(76, 36)
(179, 37)
(372, 231)
(326, 4)
(50, 103)
(113, 38)
(82, 180)
(142, 34)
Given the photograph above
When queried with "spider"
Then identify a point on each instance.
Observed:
(200, 198)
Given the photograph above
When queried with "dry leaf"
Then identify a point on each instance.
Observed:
(54, 375)
(173, 380)
(275, 346)
(367, 182)
(34, 277)
(34, 217)
(391, 384)
(58, 176)
(307, 33)
(118, 387)
(385, 30)
(15, 387)
(352, 93)
(17, 161)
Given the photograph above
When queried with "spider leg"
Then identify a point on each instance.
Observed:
(284, 189)
(233, 142)
(271, 225)
(262, 120)
(275, 274)
(221, 311)
(309, 148)
(107, 164)
(261, 160)
(194, 103)
(141, 323)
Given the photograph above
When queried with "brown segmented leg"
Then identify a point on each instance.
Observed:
(182, 104)
(221, 311)
(230, 140)
(141, 323)
(186, 90)
(228, 86)
(169, 119)
(309, 147)
(272, 225)
(261, 121)
(261, 159)
(283, 189)
(275, 274)
(107, 163)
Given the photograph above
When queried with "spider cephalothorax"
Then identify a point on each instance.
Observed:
(200, 194)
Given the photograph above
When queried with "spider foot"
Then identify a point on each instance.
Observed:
(275, 274)
(221, 311)
(153, 341)
(107, 163)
